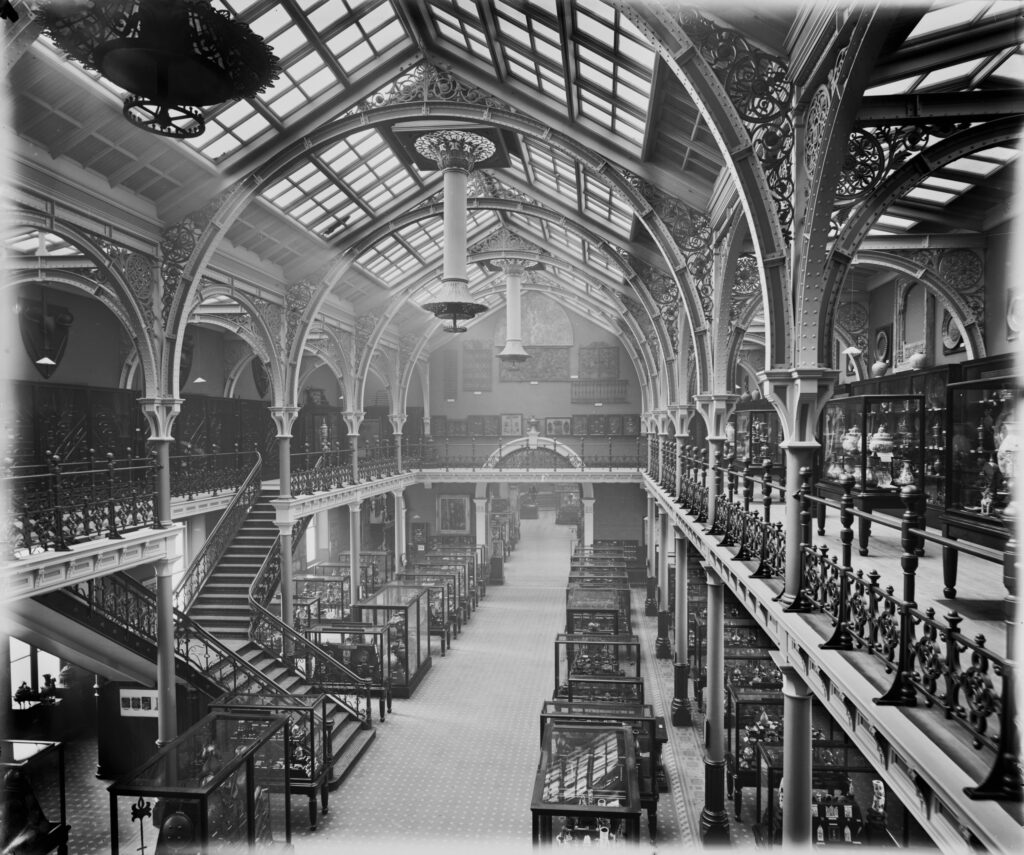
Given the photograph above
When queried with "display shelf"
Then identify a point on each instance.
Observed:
(848, 802)
(310, 751)
(209, 788)
(880, 441)
(648, 730)
(980, 460)
(34, 806)
(582, 655)
(362, 648)
(588, 776)
(407, 610)
(597, 610)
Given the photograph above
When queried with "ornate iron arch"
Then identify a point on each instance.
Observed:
(541, 443)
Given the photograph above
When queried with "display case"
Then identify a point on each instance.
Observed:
(439, 597)
(406, 609)
(209, 789)
(648, 730)
(329, 596)
(310, 752)
(614, 577)
(34, 806)
(880, 440)
(581, 655)
(588, 776)
(984, 415)
(597, 610)
(756, 433)
(619, 690)
(361, 648)
(848, 804)
(448, 580)
(460, 568)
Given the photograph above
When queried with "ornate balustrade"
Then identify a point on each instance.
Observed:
(563, 452)
(59, 504)
(194, 473)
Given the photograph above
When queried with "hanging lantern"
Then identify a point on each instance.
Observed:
(172, 56)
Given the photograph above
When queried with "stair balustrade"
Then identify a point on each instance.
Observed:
(218, 540)
(195, 472)
(59, 504)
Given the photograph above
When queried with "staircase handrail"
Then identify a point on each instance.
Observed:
(217, 542)
(131, 606)
(308, 659)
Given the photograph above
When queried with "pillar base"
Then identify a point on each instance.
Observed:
(651, 603)
(681, 715)
(662, 645)
(714, 818)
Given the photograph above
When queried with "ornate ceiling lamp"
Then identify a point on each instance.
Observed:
(173, 56)
(455, 152)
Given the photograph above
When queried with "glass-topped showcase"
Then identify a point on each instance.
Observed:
(362, 648)
(328, 596)
(406, 609)
(629, 690)
(880, 441)
(208, 789)
(448, 581)
(581, 655)
(442, 619)
(34, 802)
(597, 610)
(309, 740)
(460, 569)
(587, 775)
(981, 458)
(756, 433)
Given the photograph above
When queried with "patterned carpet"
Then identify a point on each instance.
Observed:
(454, 765)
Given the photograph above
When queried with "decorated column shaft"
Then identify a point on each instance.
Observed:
(399, 527)
(166, 683)
(795, 791)
(714, 820)
(680, 704)
(588, 522)
(354, 524)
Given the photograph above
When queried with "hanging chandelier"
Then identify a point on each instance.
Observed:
(171, 56)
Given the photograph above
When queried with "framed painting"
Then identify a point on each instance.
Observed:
(511, 424)
(475, 425)
(597, 426)
(579, 425)
(631, 425)
(457, 427)
(439, 425)
(452, 514)
(883, 344)
(614, 425)
(492, 426)
(558, 426)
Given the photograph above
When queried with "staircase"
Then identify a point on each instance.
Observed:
(223, 609)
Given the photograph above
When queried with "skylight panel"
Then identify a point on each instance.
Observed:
(945, 18)
(893, 223)
(946, 184)
(894, 87)
(950, 73)
(925, 194)
(974, 166)
(600, 201)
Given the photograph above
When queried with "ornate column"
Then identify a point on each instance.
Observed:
(798, 394)
(680, 703)
(397, 425)
(588, 522)
(323, 536)
(480, 522)
(651, 602)
(284, 418)
(795, 792)
(663, 647)
(160, 414)
(354, 532)
(715, 409)
(680, 441)
(399, 526)
(714, 821)
(287, 574)
(353, 421)
(167, 701)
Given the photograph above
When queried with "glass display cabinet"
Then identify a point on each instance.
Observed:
(449, 581)
(441, 619)
(612, 577)
(329, 595)
(34, 808)
(361, 648)
(460, 568)
(756, 433)
(594, 656)
(984, 415)
(648, 730)
(208, 789)
(880, 440)
(597, 610)
(587, 775)
(628, 690)
(406, 609)
(310, 752)
(848, 804)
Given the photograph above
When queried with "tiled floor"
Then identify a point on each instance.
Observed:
(454, 765)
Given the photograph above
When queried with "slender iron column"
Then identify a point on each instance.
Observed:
(796, 761)
(354, 523)
(714, 820)
(680, 703)
(167, 714)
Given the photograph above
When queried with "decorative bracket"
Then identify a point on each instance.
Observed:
(799, 395)
(284, 418)
(160, 413)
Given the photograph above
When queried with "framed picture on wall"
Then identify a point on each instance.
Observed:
(883, 344)
(952, 340)
(457, 427)
(557, 426)
(453, 514)
(614, 425)
(631, 425)
(579, 425)
(492, 426)
(596, 426)
(511, 424)
(439, 425)
(475, 425)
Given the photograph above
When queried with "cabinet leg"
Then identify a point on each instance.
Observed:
(312, 810)
(324, 796)
(821, 520)
(863, 534)
(652, 823)
(949, 566)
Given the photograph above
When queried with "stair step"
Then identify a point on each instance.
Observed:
(345, 762)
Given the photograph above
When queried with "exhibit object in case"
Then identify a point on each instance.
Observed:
(441, 596)
(407, 610)
(581, 655)
(981, 459)
(757, 434)
(604, 610)
(310, 752)
(879, 440)
(626, 690)
(588, 776)
(209, 788)
(34, 809)
(361, 648)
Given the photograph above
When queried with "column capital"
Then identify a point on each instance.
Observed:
(284, 418)
(716, 410)
(355, 507)
(794, 684)
(713, 579)
(353, 421)
(480, 504)
(798, 394)
(588, 505)
(160, 413)
(397, 422)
